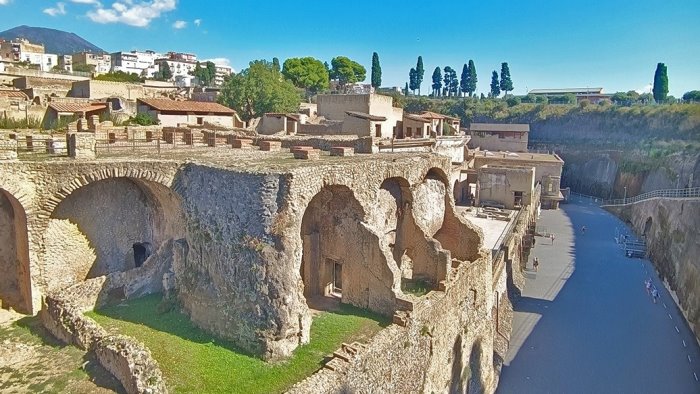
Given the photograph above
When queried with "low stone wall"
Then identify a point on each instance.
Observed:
(124, 357)
(360, 144)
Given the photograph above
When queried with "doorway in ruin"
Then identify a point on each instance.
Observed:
(342, 260)
(111, 225)
(142, 251)
(15, 282)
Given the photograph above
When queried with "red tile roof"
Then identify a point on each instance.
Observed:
(435, 115)
(167, 105)
(16, 94)
(77, 107)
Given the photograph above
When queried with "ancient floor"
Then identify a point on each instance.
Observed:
(585, 323)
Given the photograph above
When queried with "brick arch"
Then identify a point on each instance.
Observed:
(107, 173)
(19, 195)
(15, 281)
(438, 173)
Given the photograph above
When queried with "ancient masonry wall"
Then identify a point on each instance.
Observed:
(670, 227)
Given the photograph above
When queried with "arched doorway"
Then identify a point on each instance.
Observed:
(15, 282)
(111, 225)
(342, 259)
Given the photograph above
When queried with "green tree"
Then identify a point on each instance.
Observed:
(405, 90)
(437, 82)
(495, 85)
(471, 80)
(211, 70)
(205, 74)
(506, 82)
(420, 73)
(660, 83)
(119, 76)
(376, 71)
(306, 73)
(413, 80)
(258, 90)
(84, 68)
(347, 71)
(165, 72)
(276, 64)
(464, 80)
(451, 81)
(692, 97)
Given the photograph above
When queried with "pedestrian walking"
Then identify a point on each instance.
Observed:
(551, 236)
(654, 294)
(647, 285)
(535, 264)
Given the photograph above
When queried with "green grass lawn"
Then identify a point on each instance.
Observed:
(32, 361)
(196, 362)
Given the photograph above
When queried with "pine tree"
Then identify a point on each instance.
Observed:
(495, 86)
(464, 80)
(660, 89)
(506, 82)
(420, 72)
(471, 79)
(405, 90)
(437, 81)
(376, 71)
(276, 64)
(448, 80)
(165, 71)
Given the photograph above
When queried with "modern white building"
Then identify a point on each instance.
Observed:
(181, 64)
(24, 51)
(101, 63)
(221, 73)
(136, 62)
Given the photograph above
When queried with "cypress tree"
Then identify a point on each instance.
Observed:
(660, 89)
(495, 86)
(471, 79)
(276, 64)
(464, 80)
(437, 81)
(420, 72)
(413, 80)
(376, 71)
(405, 90)
(506, 82)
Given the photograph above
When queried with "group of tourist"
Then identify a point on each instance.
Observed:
(651, 290)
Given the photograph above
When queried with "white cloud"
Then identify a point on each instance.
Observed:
(197, 22)
(645, 89)
(95, 2)
(4, 2)
(59, 9)
(179, 25)
(131, 13)
(219, 61)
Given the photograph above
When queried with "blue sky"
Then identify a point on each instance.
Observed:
(614, 44)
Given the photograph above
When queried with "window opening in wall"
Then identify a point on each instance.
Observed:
(200, 120)
(378, 130)
(140, 254)
(518, 199)
(337, 277)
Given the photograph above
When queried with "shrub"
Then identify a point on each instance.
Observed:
(513, 101)
(142, 119)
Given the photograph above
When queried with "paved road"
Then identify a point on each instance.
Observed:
(585, 323)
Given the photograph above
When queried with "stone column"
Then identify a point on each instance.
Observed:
(81, 145)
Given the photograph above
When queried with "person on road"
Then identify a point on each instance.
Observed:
(647, 284)
(583, 229)
(551, 236)
(535, 264)
(654, 294)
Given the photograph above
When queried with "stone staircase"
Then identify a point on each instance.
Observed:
(341, 358)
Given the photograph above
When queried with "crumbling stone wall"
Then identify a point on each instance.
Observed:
(14, 255)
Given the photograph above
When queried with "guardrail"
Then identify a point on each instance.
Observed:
(693, 192)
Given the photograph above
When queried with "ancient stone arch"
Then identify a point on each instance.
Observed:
(94, 225)
(15, 281)
(342, 257)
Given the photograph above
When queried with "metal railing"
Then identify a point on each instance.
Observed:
(693, 192)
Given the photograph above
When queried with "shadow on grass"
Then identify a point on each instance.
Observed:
(150, 311)
(31, 329)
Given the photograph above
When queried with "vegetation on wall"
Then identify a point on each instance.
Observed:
(120, 76)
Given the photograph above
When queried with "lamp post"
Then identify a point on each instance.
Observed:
(624, 198)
